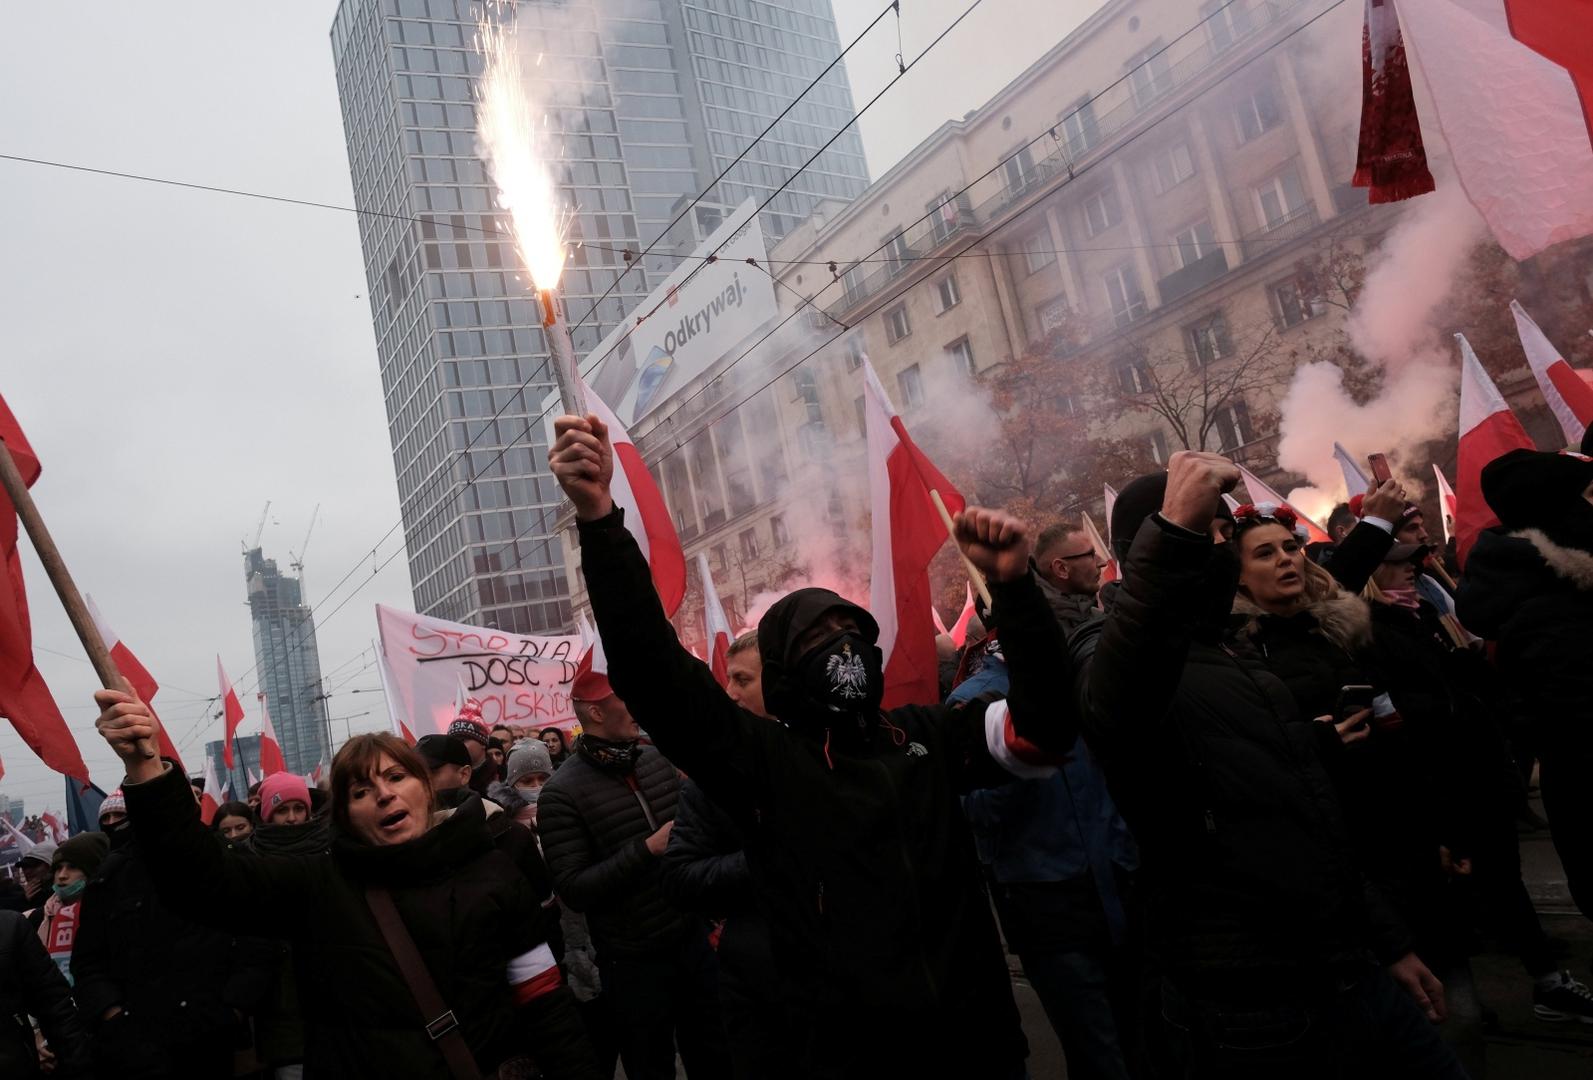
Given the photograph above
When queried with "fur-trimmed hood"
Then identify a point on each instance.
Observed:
(1342, 617)
(1507, 568)
(1572, 564)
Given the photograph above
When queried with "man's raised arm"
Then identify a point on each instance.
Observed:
(671, 693)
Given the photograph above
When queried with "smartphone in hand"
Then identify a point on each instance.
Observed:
(1352, 699)
(1381, 473)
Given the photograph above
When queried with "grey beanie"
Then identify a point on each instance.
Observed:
(42, 852)
(532, 757)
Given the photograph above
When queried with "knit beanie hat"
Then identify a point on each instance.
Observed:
(1142, 497)
(279, 789)
(44, 853)
(114, 801)
(85, 851)
(1533, 488)
(466, 728)
(529, 759)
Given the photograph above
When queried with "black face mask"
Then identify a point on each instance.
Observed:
(842, 675)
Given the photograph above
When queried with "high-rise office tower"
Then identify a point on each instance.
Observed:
(288, 664)
(654, 98)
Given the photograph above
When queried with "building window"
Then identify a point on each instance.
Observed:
(854, 352)
(897, 254)
(1053, 314)
(1257, 113)
(1209, 340)
(946, 294)
(910, 387)
(720, 558)
(778, 531)
(1019, 171)
(1193, 243)
(1133, 377)
(807, 392)
(1296, 300)
(962, 357)
(946, 214)
(862, 416)
(1226, 22)
(1124, 295)
(1158, 446)
(1172, 167)
(1151, 75)
(1037, 253)
(1280, 199)
(1232, 426)
(896, 324)
(814, 439)
(748, 539)
(1102, 211)
(1080, 129)
(852, 282)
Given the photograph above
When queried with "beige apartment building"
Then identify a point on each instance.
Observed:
(1154, 178)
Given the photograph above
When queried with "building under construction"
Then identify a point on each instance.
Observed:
(288, 663)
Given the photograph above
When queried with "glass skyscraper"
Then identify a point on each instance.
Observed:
(288, 663)
(654, 99)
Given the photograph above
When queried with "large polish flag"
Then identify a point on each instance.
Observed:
(907, 531)
(1569, 397)
(1488, 429)
(1446, 503)
(270, 750)
(1355, 481)
(646, 514)
(1263, 493)
(718, 627)
(1511, 82)
(143, 683)
(231, 708)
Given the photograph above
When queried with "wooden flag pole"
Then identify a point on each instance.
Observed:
(974, 575)
(72, 600)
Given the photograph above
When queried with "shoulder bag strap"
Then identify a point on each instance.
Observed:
(441, 1025)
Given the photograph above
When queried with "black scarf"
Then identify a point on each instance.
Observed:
(605, 754)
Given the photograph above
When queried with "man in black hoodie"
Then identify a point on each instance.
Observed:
(861, 858)
(1276, 958)
(1529, 587)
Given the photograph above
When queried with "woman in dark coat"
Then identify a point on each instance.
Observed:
(469, 912)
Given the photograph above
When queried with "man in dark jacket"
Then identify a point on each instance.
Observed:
(1261, 925)
(32, 986)
(1529, 587)
(862, 860)
(604, 820)
(164, 997)
(1069, 573)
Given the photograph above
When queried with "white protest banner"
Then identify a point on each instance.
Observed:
(522, 680)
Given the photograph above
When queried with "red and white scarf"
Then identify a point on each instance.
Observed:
(1390, 160)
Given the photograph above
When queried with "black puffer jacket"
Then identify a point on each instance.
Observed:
(862, 860)
(1253, 891)
(465, 905)
(278, 1021)
(175, 981)
(31, 985)
(704, 867)
(594, 835)
(1534, 597)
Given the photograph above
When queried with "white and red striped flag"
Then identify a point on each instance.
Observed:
(646, 514)
(1355, 481)
(57, 830)
(1446, 503)
(1261, 493)
(208, 804)
(270, 750)
(231, 710)
(1511, 82)
(385, 674)
(143, 683)
(1488, 429)
(907, 531)
(959, 629)
(1567, 394)
(1109, 569)
(940, 624)
(1110, 494)
(713, 616)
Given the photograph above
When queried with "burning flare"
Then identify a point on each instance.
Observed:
(517, 148)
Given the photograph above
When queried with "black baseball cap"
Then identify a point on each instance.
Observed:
(442, 750)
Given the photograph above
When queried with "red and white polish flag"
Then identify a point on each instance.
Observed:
(907, 531)
(715, 622)
(1446, 502)
(959, 630)
(209, 798)
(1355, 481)
(231, 710)
(1262, 493)
(1110, 494)
(1511, 82)
(940, 624)
(1488, 429)
(1568, 395)
(1110, 570)
(271, 760)
(143, 683)
(385, 674)
(646, 514)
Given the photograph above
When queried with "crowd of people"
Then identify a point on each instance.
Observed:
(1243, 812)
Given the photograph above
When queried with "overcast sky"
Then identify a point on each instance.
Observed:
(179, 357)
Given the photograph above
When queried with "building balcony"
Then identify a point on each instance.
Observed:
(1269, 238)
(1203, 271)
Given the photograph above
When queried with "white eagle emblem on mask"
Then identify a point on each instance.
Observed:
(848, 677)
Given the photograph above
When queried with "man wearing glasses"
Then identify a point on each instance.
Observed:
(1070, 574)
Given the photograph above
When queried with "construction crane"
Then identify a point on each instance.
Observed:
(297, 560)
(260, 529)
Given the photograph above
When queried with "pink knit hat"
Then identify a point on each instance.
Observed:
(281, 788)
